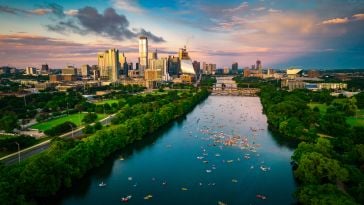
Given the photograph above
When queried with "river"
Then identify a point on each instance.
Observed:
(190, 161)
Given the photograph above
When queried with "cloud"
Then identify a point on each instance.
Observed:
(358, 17)
(259, 9)
(51, 8)
(23, 49)
(11, 10)
(71, 12)
(355, 17)
(127, 5)
(41, 12)
(241, 6)
(108, 24)
(274, 10)
(336, 21)
(56, 9)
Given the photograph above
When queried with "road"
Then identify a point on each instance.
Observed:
(30, 151)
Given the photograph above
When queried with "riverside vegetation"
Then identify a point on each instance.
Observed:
(68, 160)
(329, 162)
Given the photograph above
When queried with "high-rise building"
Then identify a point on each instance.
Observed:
(259, 66)
(186, 62)
(143, 53)
(109, 65)
(85, 70)
(130, 66)
(246, 72)
(196, 67)
(234, 68)
(69, 70)
(173, 66)
(45, 68)
(123, 64)
(30, 71)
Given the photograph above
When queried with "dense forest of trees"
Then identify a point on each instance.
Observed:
(329, 162)
(67, 160)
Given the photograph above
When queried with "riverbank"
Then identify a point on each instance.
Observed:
(68, 160)
(329, 170)
(217, 152)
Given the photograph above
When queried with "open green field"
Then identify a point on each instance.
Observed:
(110, 102)
(75, 118)
(321, 107)
(357, 120)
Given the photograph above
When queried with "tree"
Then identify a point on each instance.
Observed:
(88, 129)
(8, 122)
(89, 117)
(98, 126)
(323, 194)
(360, 100)
(315, 168)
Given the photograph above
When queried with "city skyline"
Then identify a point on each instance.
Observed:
(307, 34)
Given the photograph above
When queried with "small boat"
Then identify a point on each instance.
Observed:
(102, 184)
(208, 170)
(221, 203)
(184, 189)
(126, 199)
(234, 181)
(259, 196)
(230, 161)
(264, 168)
(199, 157)
(149, 196)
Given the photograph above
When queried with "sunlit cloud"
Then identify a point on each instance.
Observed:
(336, 21)
(127, 5)
(71, 12)
(359, 17)
(241, 7)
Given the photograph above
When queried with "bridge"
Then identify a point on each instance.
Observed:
(226, 86)
(251, 92)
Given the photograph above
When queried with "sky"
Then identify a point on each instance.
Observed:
(309, 34)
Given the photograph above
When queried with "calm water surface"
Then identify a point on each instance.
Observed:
(188, 163)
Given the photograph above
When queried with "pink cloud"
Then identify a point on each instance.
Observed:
(336, 21)
(359, 17)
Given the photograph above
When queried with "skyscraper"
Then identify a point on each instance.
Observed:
(259, 66)
(123, 64)
(234, 68)
(109, 65)
(143, 53)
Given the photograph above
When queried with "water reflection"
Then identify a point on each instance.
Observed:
(221, 151)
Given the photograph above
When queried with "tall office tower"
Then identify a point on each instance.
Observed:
(45, 68)
(153, 56)
(204, 68)
(130, 66)
(109, 65)
(173, 66)
(85, 70)
(196, 67)
(30, 71)
(143, 53)
(234, 68)
(259, 66)
(123, 64)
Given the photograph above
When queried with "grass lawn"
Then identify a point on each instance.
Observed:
(321, 107)
(357, 120)
(110, 102)
(75, 118)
